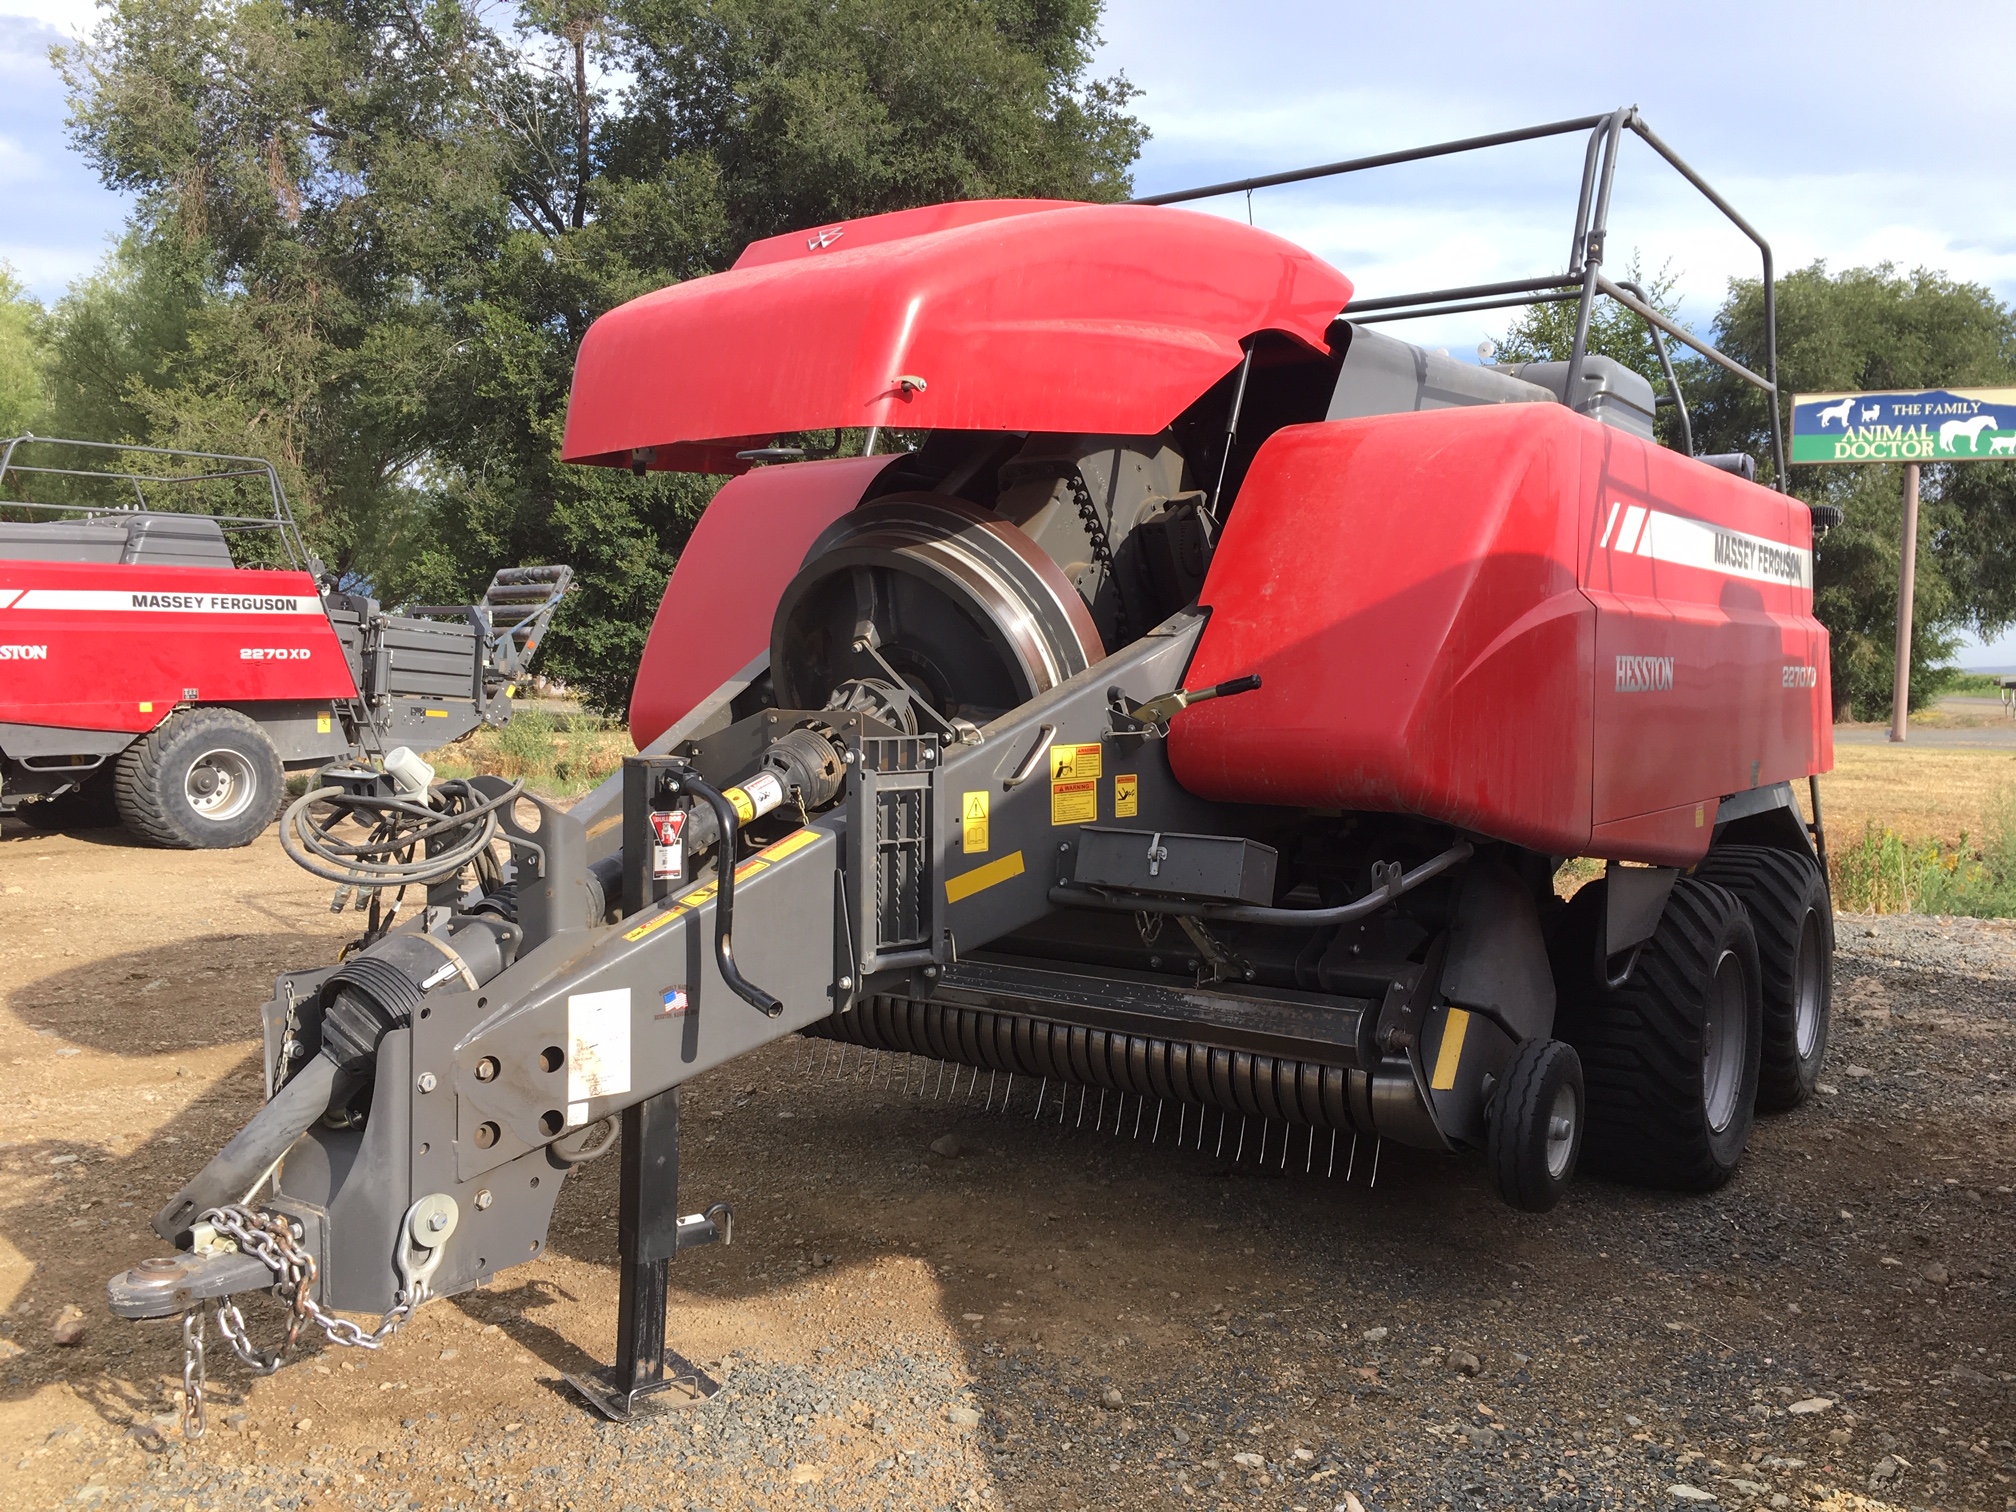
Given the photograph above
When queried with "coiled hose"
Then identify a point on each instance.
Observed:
(411, 840)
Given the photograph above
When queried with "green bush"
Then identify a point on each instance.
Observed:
(1884, 873)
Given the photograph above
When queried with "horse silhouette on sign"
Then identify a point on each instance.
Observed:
(1971, 429)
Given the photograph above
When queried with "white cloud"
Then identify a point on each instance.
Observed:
(70, 17)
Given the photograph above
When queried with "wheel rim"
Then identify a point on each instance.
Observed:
(1808, 986)
(1561, 1132)
(1722, 1041)
(219, 785)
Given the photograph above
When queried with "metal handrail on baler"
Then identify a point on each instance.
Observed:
(1584, 278)
(280, 521)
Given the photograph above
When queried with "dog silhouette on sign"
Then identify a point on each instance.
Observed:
(1971, 429)
(1839, 412)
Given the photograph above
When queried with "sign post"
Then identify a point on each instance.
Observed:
(1915, 427)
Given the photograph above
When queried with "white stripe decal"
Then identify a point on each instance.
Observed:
(104, 601)
(1712, 548)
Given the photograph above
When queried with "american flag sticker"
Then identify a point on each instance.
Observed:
(675, 1002)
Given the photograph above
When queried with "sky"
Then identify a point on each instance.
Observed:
(1847, 132)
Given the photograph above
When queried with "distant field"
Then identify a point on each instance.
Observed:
(1921, 792)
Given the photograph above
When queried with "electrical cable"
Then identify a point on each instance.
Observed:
(411, 840)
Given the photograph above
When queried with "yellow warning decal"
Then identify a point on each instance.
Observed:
(745, 806)
(790, 845)
(146, 708)
(982, 877)
(797, 840)
(1074, 763)
(1126, 795)
(1074, 802)
(1700, 813)
(973, 821)
(1450, 1054)
(322, 723)
(437, 713)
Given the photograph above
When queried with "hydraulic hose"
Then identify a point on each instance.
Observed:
(411, 841)
(1291, 918)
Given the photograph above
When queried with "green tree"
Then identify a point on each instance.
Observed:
(1874, 328)
(1546, 333)
(23, 383)
(369, 237)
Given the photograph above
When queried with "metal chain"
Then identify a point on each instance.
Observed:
(269, 1238)
(193, 1422)
(1102, 549)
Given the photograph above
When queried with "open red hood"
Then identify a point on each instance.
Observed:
(1032, 315)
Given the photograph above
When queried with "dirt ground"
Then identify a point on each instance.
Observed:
(900, 1329)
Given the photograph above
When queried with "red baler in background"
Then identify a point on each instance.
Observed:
(152, 674)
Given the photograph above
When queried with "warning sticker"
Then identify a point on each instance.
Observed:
(322, 723)
(973, 821)
(1074, 802)
(758, 795)
(1074, 763)
(1126, 795)
(668, 847)
(598, 1048)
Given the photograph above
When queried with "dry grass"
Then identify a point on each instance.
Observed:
(1919, 792)
(556, 756)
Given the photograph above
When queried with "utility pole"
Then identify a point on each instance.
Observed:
(1907, 583)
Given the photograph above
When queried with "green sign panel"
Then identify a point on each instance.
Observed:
(1926, 425)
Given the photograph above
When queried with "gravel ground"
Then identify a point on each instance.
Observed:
(1050, 1317)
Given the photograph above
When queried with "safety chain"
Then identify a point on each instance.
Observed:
(1102, 550)
(270, 1238)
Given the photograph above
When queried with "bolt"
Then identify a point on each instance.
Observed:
(428, 1082)
(484, 1199)
(438, 1222)
(930, 971)
(845, 984)
(1064, 847)
(486, 1069)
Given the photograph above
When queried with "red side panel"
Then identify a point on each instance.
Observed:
(96, 647)
(1405, 587)
(715, 616)
(1017, 316)
(1450, 622)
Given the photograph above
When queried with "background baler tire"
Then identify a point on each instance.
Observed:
(153, 781)
(1642, 1045)
(1786, 898)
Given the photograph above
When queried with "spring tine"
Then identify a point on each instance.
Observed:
(1041, 1093)
(1182, 1116)
(841, 1074)
(1158, 1122)
(829, 1058)
(1063, 1103)
(988, 1106)
(1352, 1164)
(1284, 1147)
(1332, 1169)
(874, 1068)
(1265, 1127)
(1218, 1149)
(1309, 1164)
(1377, 1146)
(972, 1086)
(1240, 1152)
(1140, 1103)
(1008, 1096)
(1099, 1118)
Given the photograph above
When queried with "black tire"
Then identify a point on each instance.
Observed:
(90, 807)
(1535, 1125)
(1786, 898)
(1670, 1103)
(161, 781)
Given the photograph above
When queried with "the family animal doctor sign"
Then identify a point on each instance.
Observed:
(1913, 427)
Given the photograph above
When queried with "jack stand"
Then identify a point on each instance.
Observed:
(650, 1233)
